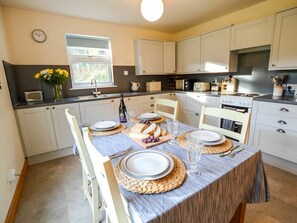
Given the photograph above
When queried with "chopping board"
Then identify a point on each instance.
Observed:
(163, 139)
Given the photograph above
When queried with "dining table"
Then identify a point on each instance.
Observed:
(219, 194)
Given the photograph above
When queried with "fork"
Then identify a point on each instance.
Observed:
(121, 153)
(233, 154)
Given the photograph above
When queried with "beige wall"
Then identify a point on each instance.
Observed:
(263, 9)
(23, 50)
(11, 153)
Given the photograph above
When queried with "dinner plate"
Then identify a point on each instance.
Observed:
(149, 116)
(144, 170)
(92, 127)
(205, 135)
(105, 124)
(192, 135)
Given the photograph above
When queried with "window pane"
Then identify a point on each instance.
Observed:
(83, 72)
(84, 51)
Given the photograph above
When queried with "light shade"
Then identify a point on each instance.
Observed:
(152, 10)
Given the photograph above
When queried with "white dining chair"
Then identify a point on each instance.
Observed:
(89, 177)
(159, 103)
(244, 118)
(115, 205)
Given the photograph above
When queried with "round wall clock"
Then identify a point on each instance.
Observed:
(39, 35)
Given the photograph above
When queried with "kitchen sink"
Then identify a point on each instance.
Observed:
(89, 97)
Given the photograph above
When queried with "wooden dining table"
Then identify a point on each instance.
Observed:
(219, 194)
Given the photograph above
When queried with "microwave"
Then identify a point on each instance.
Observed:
(32, 96)
(183, 84)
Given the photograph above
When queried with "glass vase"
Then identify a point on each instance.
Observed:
(58, 94)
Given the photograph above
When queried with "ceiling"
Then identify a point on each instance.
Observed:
(178, 14)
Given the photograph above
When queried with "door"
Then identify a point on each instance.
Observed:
(37, 130)
(191, 55)
(152, 54)
(62, 129)
(169, 57)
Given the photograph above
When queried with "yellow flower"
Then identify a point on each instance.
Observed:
(50, 71)
(59, 71)
(66, 73)
(37, 75)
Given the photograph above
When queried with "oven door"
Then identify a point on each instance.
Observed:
(232, 125)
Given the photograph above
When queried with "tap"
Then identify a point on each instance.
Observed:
(96, 92)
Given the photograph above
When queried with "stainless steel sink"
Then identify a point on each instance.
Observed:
(89, 97)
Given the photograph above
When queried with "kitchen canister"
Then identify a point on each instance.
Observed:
(278, 91)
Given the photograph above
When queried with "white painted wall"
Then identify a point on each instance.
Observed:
(11, 153)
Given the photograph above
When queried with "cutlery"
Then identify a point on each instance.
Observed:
(121, 153)
(233, 154)
(228, 152)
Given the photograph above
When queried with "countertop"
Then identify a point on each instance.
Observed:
(284, 99)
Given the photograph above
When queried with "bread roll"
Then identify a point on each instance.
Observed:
(151, 129)
(139, 128)
(157, 133)
(138, 135)
(163, 132)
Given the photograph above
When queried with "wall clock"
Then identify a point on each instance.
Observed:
(39, 35)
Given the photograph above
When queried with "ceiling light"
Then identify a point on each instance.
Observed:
(152, 10)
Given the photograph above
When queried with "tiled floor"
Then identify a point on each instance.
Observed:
(53, 193)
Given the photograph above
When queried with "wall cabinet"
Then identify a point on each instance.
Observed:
(46, 129)
(252, 34)
(275, 129)
(283, 55)
(188, 55)
(154, 57)
(215, 52)
(95, 111)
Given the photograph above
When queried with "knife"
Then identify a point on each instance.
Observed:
(121, 153)
(228, 152)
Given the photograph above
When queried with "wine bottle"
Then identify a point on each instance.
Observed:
(122, 110)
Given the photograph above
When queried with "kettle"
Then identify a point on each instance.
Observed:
(135, 86)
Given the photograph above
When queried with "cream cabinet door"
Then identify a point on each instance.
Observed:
(37, 130)
(62, 129)
(252, 34)
(95, 111)
(149, 56)
(132, 104)
(169, 57)
(215, 52)
(188, 55)
(283, 55)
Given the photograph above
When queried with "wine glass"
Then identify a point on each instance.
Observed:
(194, 151)
(172, 127)
(130, 117)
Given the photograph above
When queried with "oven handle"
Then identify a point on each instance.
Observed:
(240, 110)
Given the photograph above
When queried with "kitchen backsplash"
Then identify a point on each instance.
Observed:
(253, 76)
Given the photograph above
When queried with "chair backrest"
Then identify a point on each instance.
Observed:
(80, 144)
(109, 188)
(244, 118)
(159, 103)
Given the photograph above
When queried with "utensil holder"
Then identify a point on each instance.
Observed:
(278, 91)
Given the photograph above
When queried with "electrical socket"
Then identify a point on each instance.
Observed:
(293, 87)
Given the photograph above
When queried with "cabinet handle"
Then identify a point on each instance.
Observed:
(273, 65)
(198, 69)
(196, 114)
(128, 99)
(226, 68)
(173, 71)
(281, 131)
(143, 71)
(152, 105)
(174, 94)
(152, 97)
(111, 100)
(282, 122)
(284, 110)
(47, 108)
(170, 94)
(53, 107)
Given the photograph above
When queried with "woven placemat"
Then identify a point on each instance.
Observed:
(167, 183)
(157, 121)
(108, 133)
(221, 148)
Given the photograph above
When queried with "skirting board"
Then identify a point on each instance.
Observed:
(17, 195)
(49, 156)
(280, 163)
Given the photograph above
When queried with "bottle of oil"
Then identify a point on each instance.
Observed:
(122, 110)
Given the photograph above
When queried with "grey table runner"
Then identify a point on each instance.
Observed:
(212, 197)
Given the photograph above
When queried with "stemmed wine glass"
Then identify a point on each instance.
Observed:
(172, 130)
(194, 151)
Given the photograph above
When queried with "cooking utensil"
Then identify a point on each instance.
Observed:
(228, 152)
(236, 152)
(121, 153)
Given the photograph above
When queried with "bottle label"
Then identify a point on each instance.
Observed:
(123, 117)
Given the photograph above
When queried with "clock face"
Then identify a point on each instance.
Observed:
(38, 35)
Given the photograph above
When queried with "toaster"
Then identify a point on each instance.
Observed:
(201, 86)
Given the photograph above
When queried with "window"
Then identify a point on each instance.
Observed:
(89, 57)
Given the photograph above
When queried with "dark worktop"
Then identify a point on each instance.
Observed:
(284, 99)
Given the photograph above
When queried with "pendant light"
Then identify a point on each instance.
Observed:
(152, 10)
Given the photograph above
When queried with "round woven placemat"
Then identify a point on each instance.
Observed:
(167, 183)
(108, 133)
(224, 147)
(157, 121)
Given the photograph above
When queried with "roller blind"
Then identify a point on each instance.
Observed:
(87, 41)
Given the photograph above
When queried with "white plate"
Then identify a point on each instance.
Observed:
(105, 125)
(205, 135)
(149, 116)
(150, 172)
(92, 127)
(192, 136)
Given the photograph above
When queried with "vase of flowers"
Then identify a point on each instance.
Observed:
(55, 79)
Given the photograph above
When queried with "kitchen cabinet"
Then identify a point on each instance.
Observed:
(95, 111)
(45, 129)
(215, 52)
(148, 102)
(252, 34)
(188, 55)
(275, 129)
(154, 57)
(176, 97)
(283, 54)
